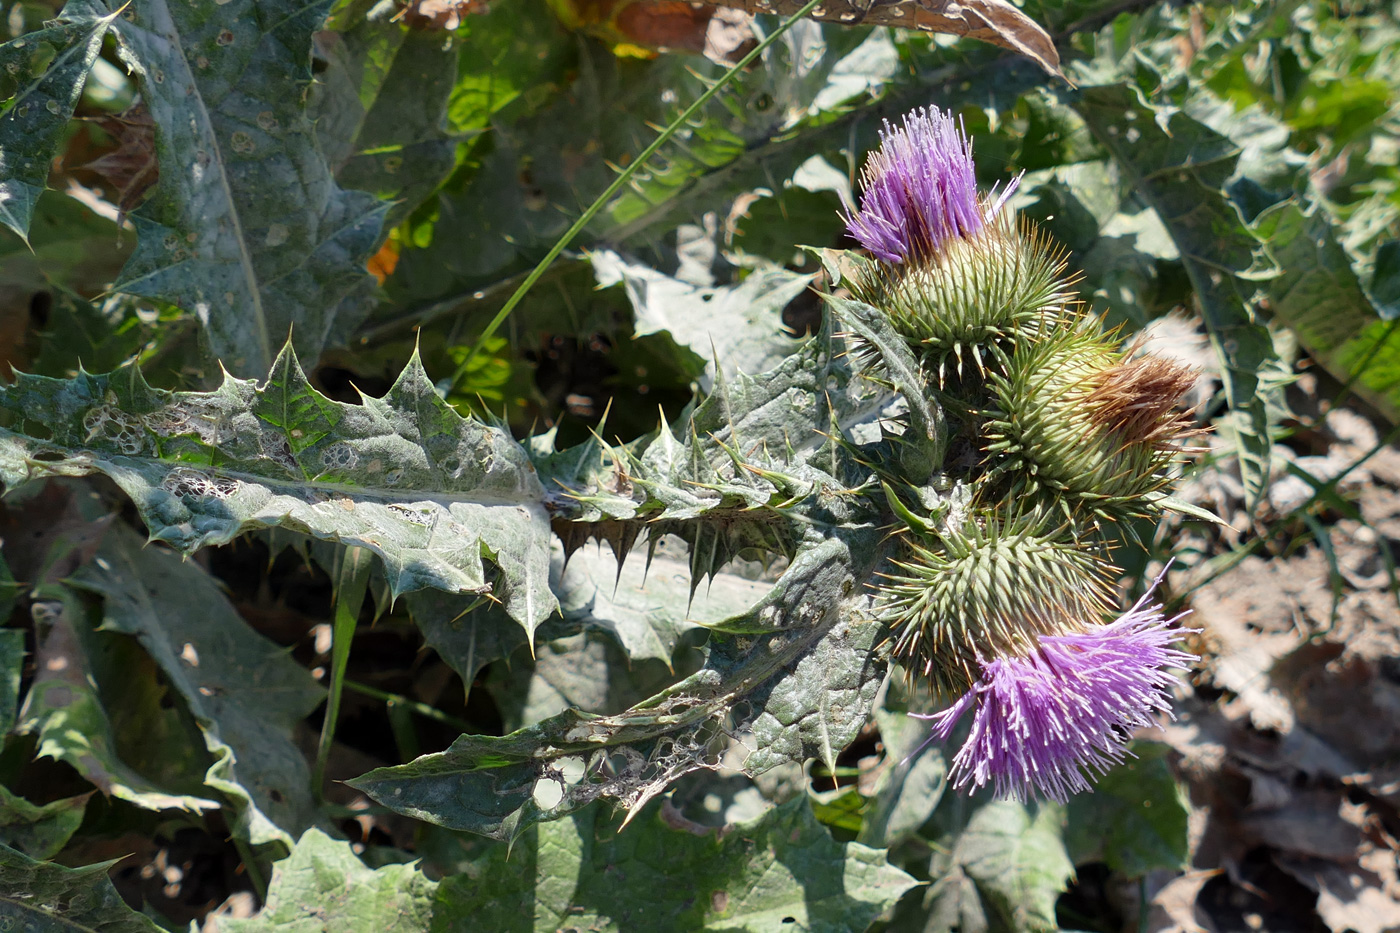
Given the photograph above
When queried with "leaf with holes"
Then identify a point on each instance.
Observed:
(796, 680)
(246, 229)
(41, 80)
(405, 476)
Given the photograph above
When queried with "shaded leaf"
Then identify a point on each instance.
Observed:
(405, 476)
(1318, 296)
(41, 79)
(39, 832)
(999, 864)
(913, 782)
(11, 665)
(245, 692)
(779, 872)
(44, 897)
(246, 229)
(381, 104)
(131, 167)
(66, 713)
(1135, 820)
(323, 885)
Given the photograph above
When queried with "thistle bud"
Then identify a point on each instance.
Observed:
(960, 275)
(989, 590)
(1087, 423)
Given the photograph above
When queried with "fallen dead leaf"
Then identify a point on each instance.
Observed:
(1359, 897)
(1174, 907)
(996, 21)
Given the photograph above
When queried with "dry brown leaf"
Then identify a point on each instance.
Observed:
(1310, 824)
(131, 167)
(1174, 907)
(996, 21)
(1360, 897)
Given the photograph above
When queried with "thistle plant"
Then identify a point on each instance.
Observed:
(999, 602)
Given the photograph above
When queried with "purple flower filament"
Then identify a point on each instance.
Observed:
(1051, 721)
(919, 189)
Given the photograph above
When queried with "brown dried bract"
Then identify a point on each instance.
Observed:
(1137, 400)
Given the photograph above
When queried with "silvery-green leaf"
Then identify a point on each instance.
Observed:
(738, 326)
(41, 79)
(807, 663)
(405, 476)
(246, 229)
(323, 885)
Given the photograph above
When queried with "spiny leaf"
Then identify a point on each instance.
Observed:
(245, 692)
(323, 885)
(246, 229)
(405, 476)
(779, 872)
(45, 897)
(41, 80)
(66, 713)
(812, 668)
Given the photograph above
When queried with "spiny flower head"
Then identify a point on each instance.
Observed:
(958, 275)
(1052, 720)
(1087, 424)
(919, 189)
(989, 588)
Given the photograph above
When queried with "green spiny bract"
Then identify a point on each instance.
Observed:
(1082, 425)
(989, 589)
(972, 300)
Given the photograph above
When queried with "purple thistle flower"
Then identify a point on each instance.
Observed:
(919, 189)
(1063, 715)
